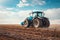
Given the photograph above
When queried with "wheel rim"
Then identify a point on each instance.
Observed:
(36, 23)
(25, 23)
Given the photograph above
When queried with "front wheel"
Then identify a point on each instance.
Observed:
(26, 23)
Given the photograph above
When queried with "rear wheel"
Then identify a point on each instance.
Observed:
(46, 23)
(26, 23)
(37, 23)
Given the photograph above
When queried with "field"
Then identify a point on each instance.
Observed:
(17, 32)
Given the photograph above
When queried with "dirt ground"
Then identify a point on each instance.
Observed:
(17, 32)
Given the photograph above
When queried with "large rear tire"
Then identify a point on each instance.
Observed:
(37, 22)
(46, 23)
(26, 23)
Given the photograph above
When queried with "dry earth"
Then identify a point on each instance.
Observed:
(17, 32)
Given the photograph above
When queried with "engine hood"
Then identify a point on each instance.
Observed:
(30, 18)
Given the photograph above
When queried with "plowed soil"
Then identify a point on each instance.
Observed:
(17, 32)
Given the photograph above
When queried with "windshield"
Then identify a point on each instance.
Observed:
(38, 14)
(41, 14)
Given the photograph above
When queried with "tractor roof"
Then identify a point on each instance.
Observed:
(37, 12)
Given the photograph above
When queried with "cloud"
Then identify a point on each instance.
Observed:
(53, 13)
(30, 3)
(10, 8)
(38, 2)
(22, 4)
(7, 17)
(24, 0)
(10, 17)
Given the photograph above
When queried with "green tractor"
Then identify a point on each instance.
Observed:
(36, 19)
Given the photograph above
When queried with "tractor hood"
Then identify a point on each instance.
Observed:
(30, 18)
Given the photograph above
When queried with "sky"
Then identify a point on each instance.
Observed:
(15, 11)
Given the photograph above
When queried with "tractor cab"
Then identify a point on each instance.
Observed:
(37, 14)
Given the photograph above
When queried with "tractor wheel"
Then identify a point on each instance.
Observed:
(46, 23)
(37, 22)
(26, 23)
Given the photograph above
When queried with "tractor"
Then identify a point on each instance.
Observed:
(36, 19)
